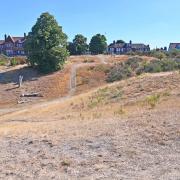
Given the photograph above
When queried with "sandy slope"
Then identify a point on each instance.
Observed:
(119, 139)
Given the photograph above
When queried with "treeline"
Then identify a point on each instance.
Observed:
(47, 48)
(79, 46)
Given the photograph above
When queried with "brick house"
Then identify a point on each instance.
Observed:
(174, 46)
(123, 48)
(12, 46)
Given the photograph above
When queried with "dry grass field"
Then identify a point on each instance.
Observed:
(124, 130)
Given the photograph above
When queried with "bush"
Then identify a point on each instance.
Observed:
(14, 62)
(153, 100)
(158, 54)
(125, 69)
(102, 68)
(153, 66)
(169, 65)
(2, 62)
(136, 66)
(174, 53)
(21, 60)
(134, 62)
(177, 60)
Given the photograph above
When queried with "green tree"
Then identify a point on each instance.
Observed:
(120, 42)
(98, 44)
(71, 48)
(46, 44)
(79, 45)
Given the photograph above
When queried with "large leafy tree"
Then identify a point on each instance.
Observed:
(46, 44)
(98, 44)
(79, 45)
(71, 48)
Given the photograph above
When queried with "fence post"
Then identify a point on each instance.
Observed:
(20, 81)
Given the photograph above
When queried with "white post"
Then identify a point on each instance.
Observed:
(20, 80)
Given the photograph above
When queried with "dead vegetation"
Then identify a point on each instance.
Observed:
(124, 130)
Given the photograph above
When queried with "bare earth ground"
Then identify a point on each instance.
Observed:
(51, 86)
(119, 137)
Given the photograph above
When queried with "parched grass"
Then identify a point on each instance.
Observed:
(105, 96)
(88, 60)
(154, 99)
(2, 63)
(101, 68)
(120, 111)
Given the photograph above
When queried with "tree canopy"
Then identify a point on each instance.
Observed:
(46, 44)
(120, 42)
(98, 44)
(79, 45)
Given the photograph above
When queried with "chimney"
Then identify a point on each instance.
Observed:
(24, 35)
(130, 42)
(114, 42)
(5, 37)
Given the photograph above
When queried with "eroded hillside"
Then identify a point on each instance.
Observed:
(125, 130)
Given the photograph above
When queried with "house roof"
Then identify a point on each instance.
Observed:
(137, 46)
(13, 39)
(124, 45)
(120, 45)
(1, 41)
(174, 45)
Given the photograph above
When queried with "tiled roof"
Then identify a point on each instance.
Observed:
(137, 46)
(1, 41)
(17, 39)
(14, 39)
(120, 45)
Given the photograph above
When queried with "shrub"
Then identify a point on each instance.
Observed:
(177, 60)
(102, 68)
(125, 69)
(174, 53)
(158, 54)
(14, 62)
(136, 66)
(105, 96)
(169, 65)
(153, 100)
(21, 60)
(119, 72)
(153, 66)
(161, 66)
(2, 62)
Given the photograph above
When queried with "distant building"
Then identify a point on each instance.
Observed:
(12, 46)
(123, 48)
(174, 46)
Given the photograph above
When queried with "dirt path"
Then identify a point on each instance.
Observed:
(74, 75)
(72, 89)
(75, 67)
